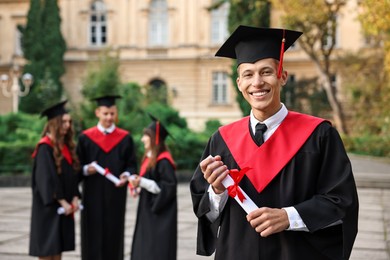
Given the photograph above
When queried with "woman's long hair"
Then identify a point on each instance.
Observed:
(53, 128)
(155, 149)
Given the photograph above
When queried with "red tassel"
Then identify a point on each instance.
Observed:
(157, 132)
(280, 67)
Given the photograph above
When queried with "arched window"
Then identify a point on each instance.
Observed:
(219, 23)
(157, 91)
(98, 24)
(158, 23)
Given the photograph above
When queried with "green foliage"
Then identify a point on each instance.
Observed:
(44, 48)
(156, 94)
(306, 96)
(372, 145)
(211, 127)
(19, 134)
(102, 76)
(15, 158)
(249, 12)
(31, 34)
(53, 43)
(187, 147)
(20, 127)
(375, 21)
(369, 93)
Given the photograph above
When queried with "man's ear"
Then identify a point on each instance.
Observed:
(284, 77)
(97, 112)
(238, 84)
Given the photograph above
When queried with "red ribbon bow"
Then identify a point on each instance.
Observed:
(106, 171)
(234, 190)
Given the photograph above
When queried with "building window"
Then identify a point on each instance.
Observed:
(158, 23)
(157, 91)
(98, 24)
(220, 88)
(219, 23)
(18, 42)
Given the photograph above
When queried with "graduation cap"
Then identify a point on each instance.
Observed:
(249, 44)
(55, 110)
(107, 100)
(158, 128)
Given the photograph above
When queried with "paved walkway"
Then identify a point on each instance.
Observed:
(373, 178)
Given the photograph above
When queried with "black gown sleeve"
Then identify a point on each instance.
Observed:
(207, 231)
(336, 186)
(45, 177)
(336, 200)
(168, 184)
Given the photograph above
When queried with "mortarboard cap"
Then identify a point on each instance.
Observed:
(249, 44)
(158, 128)
(55, 110)
(107, 101)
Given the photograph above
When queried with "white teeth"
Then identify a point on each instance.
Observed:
(259, 94)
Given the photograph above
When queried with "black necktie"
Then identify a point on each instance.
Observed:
(260, 129)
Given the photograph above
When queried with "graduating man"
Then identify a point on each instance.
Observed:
(103, 217)
(292, 166)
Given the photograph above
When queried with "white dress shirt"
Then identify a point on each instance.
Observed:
(105, 131)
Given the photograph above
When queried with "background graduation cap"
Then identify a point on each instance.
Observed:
(107, 100)
(55, 110)
(158, 128)
(250, 44)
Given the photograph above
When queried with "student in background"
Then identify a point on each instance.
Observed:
(54, 185)
(155, 234)
(103, 217)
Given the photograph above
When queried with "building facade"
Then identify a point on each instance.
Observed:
(168, 43)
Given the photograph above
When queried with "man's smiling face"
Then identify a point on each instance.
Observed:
(260, 86)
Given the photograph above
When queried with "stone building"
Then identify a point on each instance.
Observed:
(163, 43)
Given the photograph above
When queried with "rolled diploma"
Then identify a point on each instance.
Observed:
(109, 175)
(61, 210)
(248, 205)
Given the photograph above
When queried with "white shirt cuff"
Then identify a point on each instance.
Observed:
(149, 185)
(296, 222)
(85, 170)
(217, 203)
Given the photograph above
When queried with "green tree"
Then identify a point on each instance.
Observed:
(375, 20)
(317, 19)
(33, 51)
(54, 42)
(372, 92)
(44, 48)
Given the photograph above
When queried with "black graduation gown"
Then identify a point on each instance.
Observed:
(317, 181)
(103, 217)
(155, 234)
(50, 233)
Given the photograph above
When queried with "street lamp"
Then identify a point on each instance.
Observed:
(15, 91)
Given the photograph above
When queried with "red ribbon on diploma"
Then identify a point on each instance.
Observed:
(106, 171)
(236, 175)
